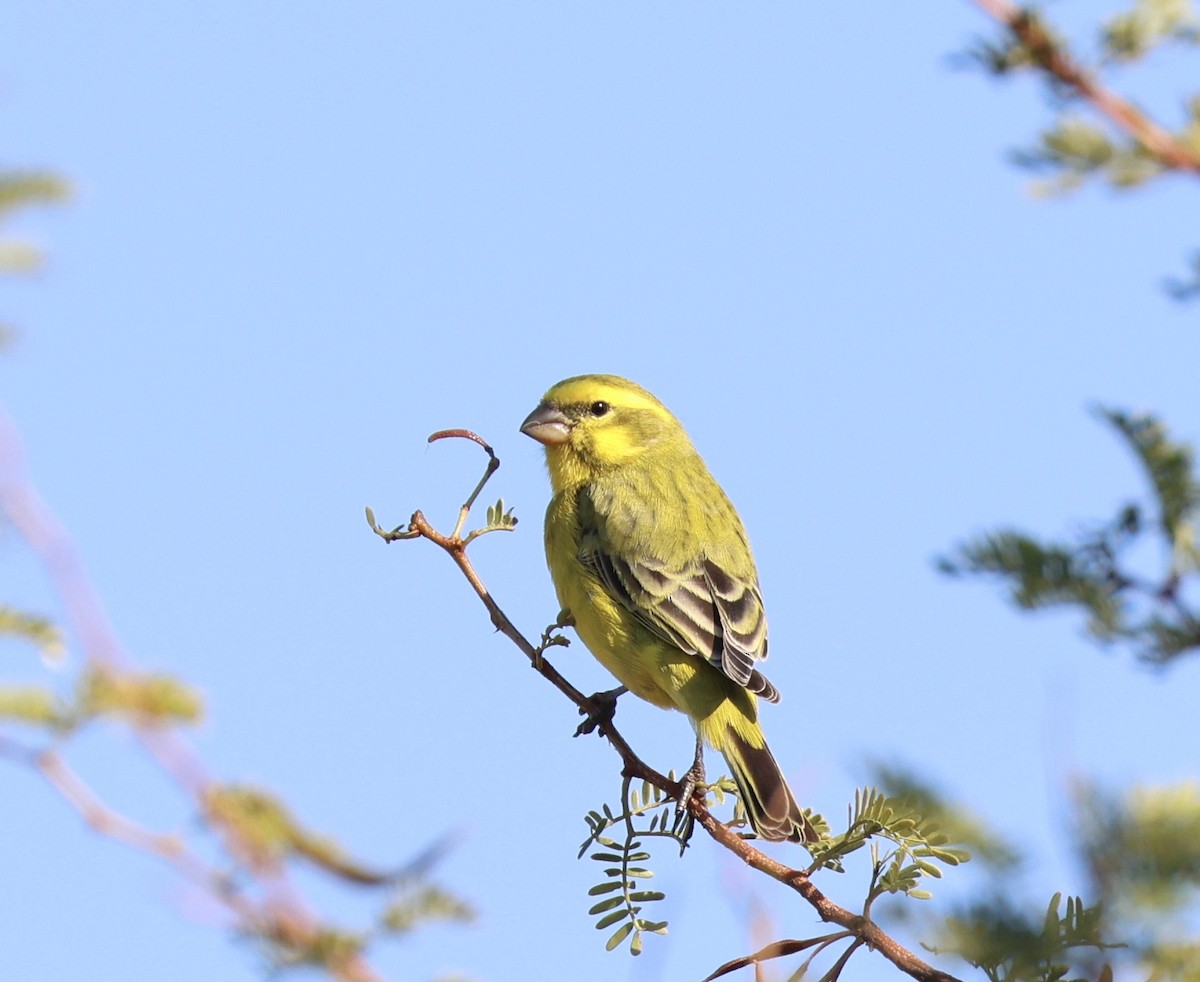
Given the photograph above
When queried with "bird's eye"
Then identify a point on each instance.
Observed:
(599, 408)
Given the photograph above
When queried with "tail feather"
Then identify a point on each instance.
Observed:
(769, 803)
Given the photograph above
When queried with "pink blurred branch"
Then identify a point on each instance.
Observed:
(281, 915)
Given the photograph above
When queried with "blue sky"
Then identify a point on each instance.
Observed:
(304, 237)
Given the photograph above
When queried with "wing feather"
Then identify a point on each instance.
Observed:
(701, 608)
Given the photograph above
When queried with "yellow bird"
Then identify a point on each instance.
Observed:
(653, 568)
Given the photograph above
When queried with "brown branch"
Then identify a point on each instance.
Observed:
(864, 930)
(1046, 52)
(457, 548)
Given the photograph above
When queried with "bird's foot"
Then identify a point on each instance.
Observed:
(601, 708)
(693, 781)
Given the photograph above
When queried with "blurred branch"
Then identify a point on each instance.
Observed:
(59, 775)
(278, 919)
(861, 927)
(276, 912)
(1044, 50)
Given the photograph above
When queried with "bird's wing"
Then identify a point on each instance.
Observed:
(701, 609)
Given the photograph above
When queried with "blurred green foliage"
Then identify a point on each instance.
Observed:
(1096, 133)
(1096, 573)
(20, 190)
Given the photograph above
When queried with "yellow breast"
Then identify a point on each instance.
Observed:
(641, 661)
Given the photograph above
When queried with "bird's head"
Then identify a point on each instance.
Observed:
(591, 424)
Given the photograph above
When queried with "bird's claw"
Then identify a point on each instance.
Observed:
(693, 781)
(601, 708)
(685, 824)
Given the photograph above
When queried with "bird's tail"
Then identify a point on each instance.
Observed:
(769, 803)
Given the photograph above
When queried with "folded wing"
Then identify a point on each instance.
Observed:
(702, 609)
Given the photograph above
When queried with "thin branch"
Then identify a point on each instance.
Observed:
(493, 464)
(102, 818)
(172, 849)
(863, 929)
(456, 547)
(1046, 52)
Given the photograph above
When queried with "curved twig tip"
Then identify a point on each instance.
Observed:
(462, 435)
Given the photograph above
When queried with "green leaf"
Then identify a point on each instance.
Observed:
(604, 905)
(1051, 920)
(618, 936)
(623, 874)
(609, 919)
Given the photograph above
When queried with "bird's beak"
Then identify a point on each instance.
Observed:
(547, 425)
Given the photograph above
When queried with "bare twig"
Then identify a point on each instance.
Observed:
(1046, 52)
(493, 463)
(864, 930)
